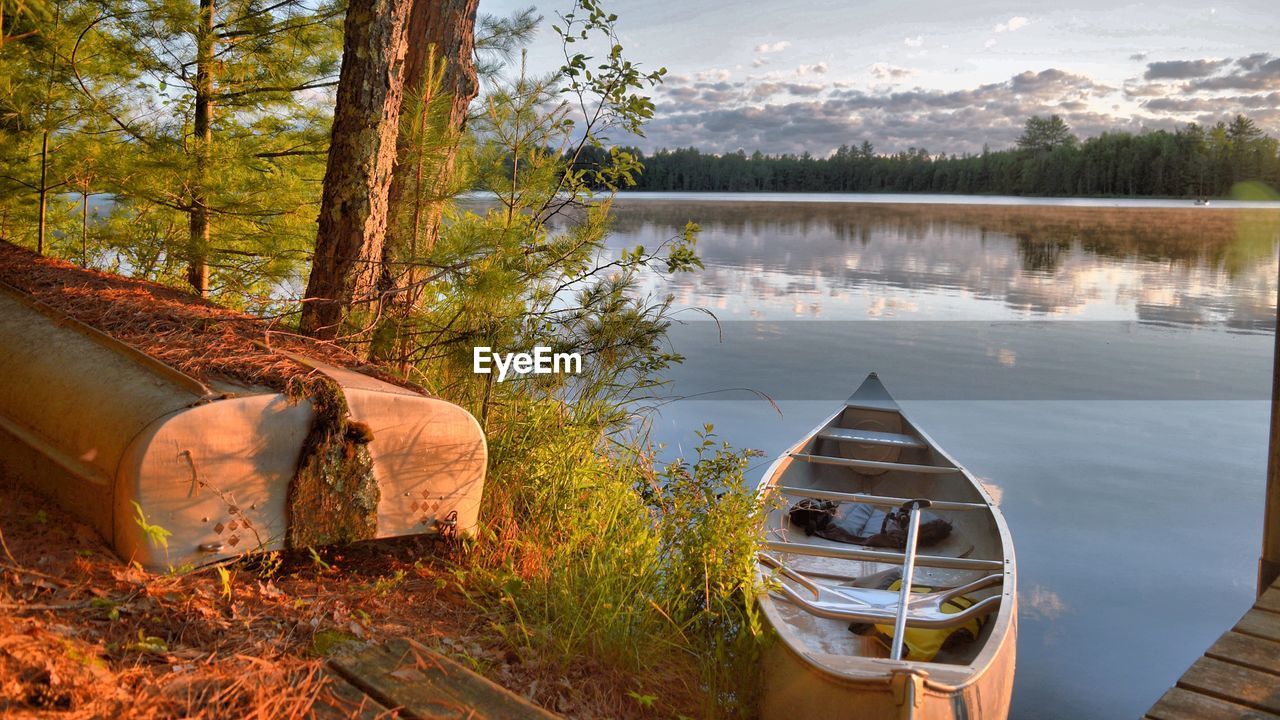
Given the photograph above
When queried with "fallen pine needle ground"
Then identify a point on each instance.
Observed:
(85, 635)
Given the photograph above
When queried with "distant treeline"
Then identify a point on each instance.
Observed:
(1192, 161)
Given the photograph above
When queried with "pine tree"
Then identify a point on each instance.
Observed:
(440, 82)
(218, 107)
(40, 114)
(362, 151)
(1043, 135)
(29, 15)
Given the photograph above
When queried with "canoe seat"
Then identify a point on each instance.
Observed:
(872, 605)
(870, 437)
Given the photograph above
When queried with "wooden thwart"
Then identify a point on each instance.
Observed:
(419, 683)
(870, 437)
(881, 556)
(873, 464)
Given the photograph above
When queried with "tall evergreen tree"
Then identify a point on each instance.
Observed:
(362, 151)
(440, 75)
(1045, 134)
(218, 102)
(40, 115)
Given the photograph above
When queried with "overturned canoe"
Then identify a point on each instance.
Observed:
(174, 470)
(831, 602)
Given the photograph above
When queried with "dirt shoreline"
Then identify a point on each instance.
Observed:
(85, 635)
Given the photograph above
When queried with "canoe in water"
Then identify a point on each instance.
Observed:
(831, 603)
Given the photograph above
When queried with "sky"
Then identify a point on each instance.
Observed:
(790, 76)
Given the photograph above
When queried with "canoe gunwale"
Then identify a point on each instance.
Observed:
(192, 385)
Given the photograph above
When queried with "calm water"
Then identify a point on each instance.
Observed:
(1104, 369)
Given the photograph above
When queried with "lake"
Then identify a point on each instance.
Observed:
(1103, 366)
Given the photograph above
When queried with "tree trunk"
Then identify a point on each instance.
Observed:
(84, 226)
(362, 152)
(198, 244)
(438, 29)
(44, 190)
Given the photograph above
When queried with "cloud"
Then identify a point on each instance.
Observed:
(775, 47)
(802, 89)
(1182, 69)
(1054, 82)
(805, 111)
(1214, 105)
(1257, 72)
(1134, 89)
(713, 74)
(1139, 57)
(1014, 23)
(1255, 61)
(990, 43)
(914, 42)
(767, 90)
(884, 71)
(817, 69)
(776, 116)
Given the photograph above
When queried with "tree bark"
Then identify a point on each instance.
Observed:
(438, 29)
(84, 226)
(198, 243)
(362, 152)
(44, 190)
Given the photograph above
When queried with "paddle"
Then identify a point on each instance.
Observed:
(908, 568)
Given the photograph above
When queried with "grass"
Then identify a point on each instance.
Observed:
(588, 551)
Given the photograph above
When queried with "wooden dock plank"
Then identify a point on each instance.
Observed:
(1270, 600)
(1238, 677)
(347, 702)
(420, 683)
(1234, 683)
(1181, 704)
(1260, 623)
(1249, 651)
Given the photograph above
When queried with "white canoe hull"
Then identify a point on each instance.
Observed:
(817, 668)
(108, 432)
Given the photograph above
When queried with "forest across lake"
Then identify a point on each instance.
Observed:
(1048, 160)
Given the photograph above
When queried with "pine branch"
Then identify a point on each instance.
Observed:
(257, 13)
(289, 153)
(275, 89)
(18, 36)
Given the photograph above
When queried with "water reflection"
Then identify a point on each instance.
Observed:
(1112, 445)
(1164, 266)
